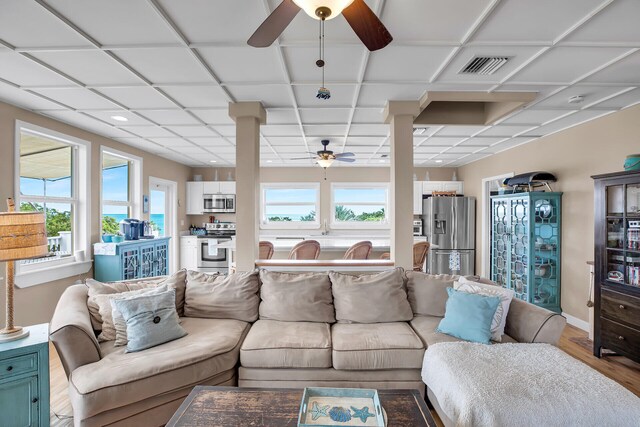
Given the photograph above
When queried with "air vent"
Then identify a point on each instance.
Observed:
(484, 65)
(419, 131)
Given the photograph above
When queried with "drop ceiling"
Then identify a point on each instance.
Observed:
(171, 68)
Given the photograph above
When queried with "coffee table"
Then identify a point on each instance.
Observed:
(231, 406)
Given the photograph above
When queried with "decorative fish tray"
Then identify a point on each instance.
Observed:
(332, 407)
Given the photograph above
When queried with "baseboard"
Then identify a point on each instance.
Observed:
(578, 323)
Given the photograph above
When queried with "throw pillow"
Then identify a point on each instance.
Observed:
(505, 295)
(219, 296)
(370, 298)
(469, 316)
(112, 320)
(296, 297)
(151, 320)
(176, 281)
(428, 292)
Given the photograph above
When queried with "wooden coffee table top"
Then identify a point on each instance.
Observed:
(241, 407)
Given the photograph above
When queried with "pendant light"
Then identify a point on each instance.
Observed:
(323, 9)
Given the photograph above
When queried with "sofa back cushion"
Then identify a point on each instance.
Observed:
(428, 292)
(176, 281)
(219, 296)
(296, 297)
(370, 298)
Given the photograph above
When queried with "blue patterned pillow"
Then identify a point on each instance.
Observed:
(151, 320)
(469, 316)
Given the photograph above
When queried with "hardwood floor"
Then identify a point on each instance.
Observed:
(574, 341)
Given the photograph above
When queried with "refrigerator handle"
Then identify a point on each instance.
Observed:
(455, 224)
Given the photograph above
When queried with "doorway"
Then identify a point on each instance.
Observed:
(163, 204)
(490, 186)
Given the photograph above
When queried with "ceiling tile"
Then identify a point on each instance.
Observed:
(506, 145)
(140, 143)
(281, 116)
(226, 130)
(368, 115)
(533, 20)
(279, 130)
(198, 96)
(279, 141)
(343, 64)
(138, 97)
(24, 72)
(188, 131)
(135, 20)
(77, 98)
(365, 141)
(533, 116)
(377, 95)
(325, 130)
(566, 122)
(341, 96)
(623, 71)
(25, 99)
(415, 64)
(50, 30)
(462, 149)
(505, 130)
(170, 117)
(214, 143)
(430, 149)
(432, 20)
(239, 64)
(214, 116)
(591, 94)
(325, 115)
(85, 122)
(369, 130)
(361, 149)
(132, 119)
(441, 140)
(148, 131)
(621, 101)
(618, 22)
(564, 65)
(460, 130)
(480, 141)
(270, 95)
(166, 65)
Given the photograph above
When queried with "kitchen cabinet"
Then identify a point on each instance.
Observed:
(219, 187)
(428, 187)
(189, 252)
(417, 197)
(24, 379)
(195, 191)
(133, 259)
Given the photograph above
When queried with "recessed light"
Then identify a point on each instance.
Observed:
(120, 118)
(213, 161)
(269, 161)
(438, 161)
(382, 161)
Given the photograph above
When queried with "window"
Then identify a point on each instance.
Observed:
(290, 205)
(52, 175)
(120, 187)
(362, 205)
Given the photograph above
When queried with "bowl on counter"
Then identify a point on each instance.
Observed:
(107, 238)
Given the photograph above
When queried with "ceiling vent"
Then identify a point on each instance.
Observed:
(484, 65)
(419, 131)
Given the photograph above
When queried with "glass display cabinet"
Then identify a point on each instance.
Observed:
(617, 264)
(525, 245)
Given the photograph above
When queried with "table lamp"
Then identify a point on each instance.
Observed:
(22, 236)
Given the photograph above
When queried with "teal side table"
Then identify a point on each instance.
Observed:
(24, 379)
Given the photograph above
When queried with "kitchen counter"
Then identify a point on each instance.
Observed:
(327, 243)
(324, 265)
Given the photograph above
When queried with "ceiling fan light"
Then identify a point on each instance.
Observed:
(310, 6)
(325, 163)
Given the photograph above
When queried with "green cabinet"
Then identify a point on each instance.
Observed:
(24, 380)
(133, 259)
(526, 246)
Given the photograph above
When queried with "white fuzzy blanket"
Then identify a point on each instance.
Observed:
(523, 385)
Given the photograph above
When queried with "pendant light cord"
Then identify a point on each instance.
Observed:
(321, 48)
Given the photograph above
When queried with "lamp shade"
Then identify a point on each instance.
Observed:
(310, 6)
(325, 163)
(22, 235)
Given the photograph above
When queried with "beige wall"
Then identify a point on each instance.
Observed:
(36, 304)
(573, 155)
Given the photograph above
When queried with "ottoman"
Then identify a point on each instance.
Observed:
(478, 385)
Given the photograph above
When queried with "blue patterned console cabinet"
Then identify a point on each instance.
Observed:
(134, 259)
(525, 245)
(24, 379)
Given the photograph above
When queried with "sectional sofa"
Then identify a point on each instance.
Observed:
(265, 329)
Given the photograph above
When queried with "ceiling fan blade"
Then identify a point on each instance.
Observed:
(367, 26)
(274, 25)
(303, 158)
(345, 159)
(338, 156)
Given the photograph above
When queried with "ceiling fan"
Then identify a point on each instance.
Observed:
(359, 16)
(325, 157)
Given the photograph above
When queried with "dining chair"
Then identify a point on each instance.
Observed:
(307, 249)
(420, 251)
(266, 250)
(360, 250)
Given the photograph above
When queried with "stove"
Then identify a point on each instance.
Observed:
(219, 229)
(211, 257)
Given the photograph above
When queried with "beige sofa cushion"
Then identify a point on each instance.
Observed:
(425, 327)
(217, 296)
(376, 346)
(176, 281)
(274, 344)
(119, 379)
(428, 292)
(296, 297)
(370, 298)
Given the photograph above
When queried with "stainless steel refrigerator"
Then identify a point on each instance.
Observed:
(449, 223)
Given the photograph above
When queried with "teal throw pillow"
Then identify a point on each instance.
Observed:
(469, 316)
(151, 320)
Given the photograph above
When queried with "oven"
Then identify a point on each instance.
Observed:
(219, 203)
(211, 258)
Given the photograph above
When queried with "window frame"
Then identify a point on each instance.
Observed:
(59, 268)
(135, 183)
(362, 225)
(307, 225)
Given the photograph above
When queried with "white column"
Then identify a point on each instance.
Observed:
(248, 117)
(400, 115)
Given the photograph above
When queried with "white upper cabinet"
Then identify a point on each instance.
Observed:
(417, 197)
(195, 204)
(228, 187)
(428, 187)
(219, 187)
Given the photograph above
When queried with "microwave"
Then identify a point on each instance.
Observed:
(417, 227)
(219, 203)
